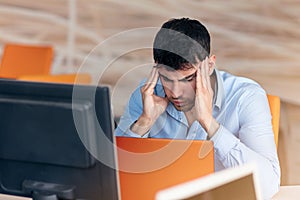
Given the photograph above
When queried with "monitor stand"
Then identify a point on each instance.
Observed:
(44, 196)
(48, 191)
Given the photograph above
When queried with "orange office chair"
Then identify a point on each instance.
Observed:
(18, 60)
(80, 78)
(274, 102)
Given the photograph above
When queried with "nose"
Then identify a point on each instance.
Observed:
(176, 90)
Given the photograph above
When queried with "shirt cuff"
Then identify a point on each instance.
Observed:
(224, 141)
(132, 134)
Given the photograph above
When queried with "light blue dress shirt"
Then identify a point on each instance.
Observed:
(245, 134)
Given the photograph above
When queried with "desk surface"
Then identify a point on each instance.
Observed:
(291, 192)
(9, 197)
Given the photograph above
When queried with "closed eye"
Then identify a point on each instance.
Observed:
(188, 80)
(166, 79)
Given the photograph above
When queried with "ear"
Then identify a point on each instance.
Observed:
(212, 64)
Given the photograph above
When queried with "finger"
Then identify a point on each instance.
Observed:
(198, 80)
(149, 79)
(207, 76)
(203, 72)
(166, 100)
(152, 79)
(153, 82)
(205, 68)
(151, 75)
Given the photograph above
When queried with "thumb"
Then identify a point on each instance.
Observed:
(166, 100)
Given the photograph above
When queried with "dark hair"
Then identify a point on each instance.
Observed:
(181, 42)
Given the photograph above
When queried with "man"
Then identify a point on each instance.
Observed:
(185, 97)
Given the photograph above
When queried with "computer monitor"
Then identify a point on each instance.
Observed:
(55, 141)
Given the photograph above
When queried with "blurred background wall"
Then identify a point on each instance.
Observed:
(256, 39)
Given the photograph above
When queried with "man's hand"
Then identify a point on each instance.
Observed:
(153, 105)
(202, 110)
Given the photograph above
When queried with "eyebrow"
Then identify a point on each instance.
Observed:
(187, 77)
(163, 76)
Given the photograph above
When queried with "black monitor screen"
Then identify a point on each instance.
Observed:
(55, 141)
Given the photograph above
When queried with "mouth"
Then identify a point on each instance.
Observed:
(178, 103)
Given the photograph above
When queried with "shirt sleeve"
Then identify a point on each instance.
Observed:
(133, 110)
(254, 143)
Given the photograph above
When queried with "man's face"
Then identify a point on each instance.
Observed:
(179, 86)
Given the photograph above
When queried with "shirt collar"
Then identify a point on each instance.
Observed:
(219, 90)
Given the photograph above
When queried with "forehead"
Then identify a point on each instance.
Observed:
(176, 74)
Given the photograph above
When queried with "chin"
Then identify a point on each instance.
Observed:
(185, 108)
